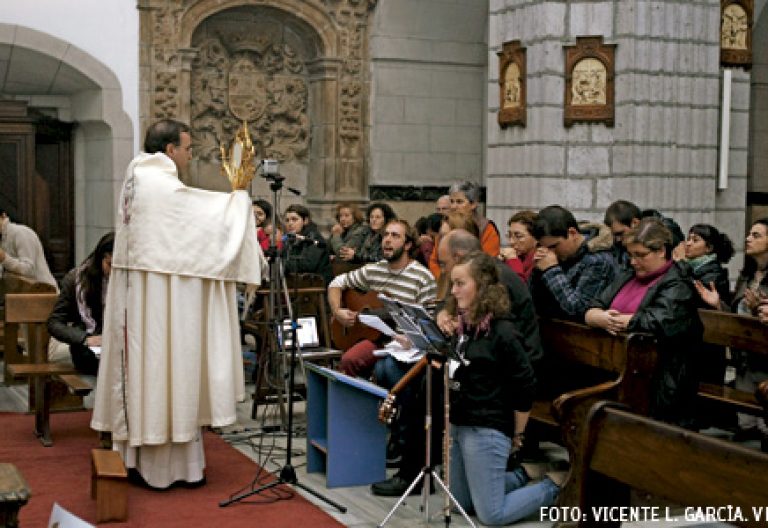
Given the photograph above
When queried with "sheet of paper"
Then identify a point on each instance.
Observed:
(375, 321)
(96, 350)
(405, 355)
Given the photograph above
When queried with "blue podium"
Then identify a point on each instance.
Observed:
(344, 437)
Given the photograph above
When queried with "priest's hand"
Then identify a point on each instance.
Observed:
(93, 341)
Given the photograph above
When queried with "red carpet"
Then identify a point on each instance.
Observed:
(62, 474)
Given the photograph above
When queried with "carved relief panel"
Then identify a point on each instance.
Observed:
(589, 72)
(736, 32)
(241, 77)
(512, 85)
(296, 70)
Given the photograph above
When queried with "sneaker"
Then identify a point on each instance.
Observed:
(396, 486)
(539, 470)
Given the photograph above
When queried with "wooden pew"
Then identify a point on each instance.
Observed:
(627, 363)
(622, 450)
(739, 332)
(32, 310)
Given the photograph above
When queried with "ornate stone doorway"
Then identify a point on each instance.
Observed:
(296, 70)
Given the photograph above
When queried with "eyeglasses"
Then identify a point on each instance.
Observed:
(639, 255)
(516, 236)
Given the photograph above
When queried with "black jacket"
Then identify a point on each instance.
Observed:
(370, 250)
(714, 271)
(66, 325)
(308, 255)
(522, 313)
(669, 311)
(497, 381)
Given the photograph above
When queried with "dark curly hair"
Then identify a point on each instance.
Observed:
(491, 296)
(718, 242)
(386, 211)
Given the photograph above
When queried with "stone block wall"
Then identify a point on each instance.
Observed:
(662, 151)
(428, 75)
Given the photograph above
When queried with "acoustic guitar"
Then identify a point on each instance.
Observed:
(344, 337)
(388, 408)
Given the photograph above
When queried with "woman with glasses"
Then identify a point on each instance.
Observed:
(657, 296)
(522, 246)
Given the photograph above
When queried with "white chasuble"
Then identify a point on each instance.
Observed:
(171, 360)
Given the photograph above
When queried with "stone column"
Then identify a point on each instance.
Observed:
(662, 151)
(323, 159)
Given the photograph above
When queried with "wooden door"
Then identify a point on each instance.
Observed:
(37, 180)
(54, 194)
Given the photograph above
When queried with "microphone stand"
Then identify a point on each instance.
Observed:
(286, 474)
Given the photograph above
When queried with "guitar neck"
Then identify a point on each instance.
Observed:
(408, 377)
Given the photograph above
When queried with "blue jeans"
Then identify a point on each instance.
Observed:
(388, 371)
(481, 483)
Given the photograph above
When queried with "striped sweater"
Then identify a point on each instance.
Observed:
(412, 284)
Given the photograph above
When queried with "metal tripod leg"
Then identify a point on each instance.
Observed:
(452, 499)
(427, 472)
(404, 496)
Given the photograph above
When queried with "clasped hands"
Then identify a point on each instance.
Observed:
(544, 258)
(609, 320)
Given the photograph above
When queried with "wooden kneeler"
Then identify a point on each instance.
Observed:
(109, 486)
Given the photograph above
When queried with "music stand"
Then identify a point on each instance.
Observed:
(421, 327)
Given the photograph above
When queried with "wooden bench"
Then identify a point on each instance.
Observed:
(622, 450)
(13, 283)
(624, 363)
(738, 332)
(32, 310)
(109, 485)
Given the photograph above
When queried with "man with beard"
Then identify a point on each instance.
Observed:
(397, 276)
(400, 277)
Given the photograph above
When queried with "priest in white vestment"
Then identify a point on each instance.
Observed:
(171, 360)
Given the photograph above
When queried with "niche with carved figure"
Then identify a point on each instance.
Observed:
(589, 81)
(512, 105)
(736, 32)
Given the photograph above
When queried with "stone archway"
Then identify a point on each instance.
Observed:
(328, 38)
(79, 89)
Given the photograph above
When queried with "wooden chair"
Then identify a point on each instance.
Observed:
(31, 310)
(622, 450)
(307, 293)
(13, 283)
